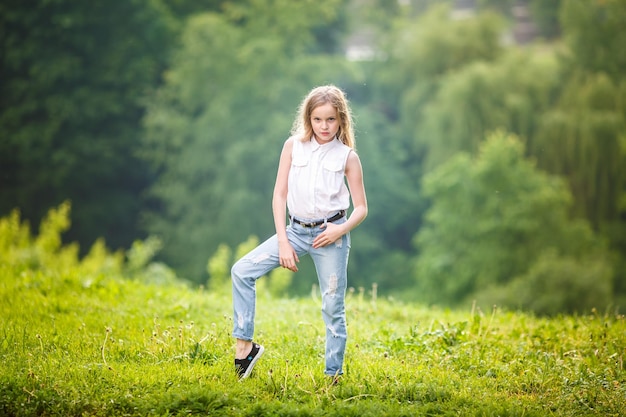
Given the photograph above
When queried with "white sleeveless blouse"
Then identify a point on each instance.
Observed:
(316, 184)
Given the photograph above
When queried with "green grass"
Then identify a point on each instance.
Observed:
(72, 345)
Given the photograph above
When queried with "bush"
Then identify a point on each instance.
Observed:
(557, 284)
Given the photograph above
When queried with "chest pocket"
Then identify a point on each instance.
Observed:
(299, 161)
(334, 165)
(300, 157)
(332, 175)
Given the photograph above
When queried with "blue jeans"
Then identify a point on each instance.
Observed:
(331, 264)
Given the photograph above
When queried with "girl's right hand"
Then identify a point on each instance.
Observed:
(288, 257)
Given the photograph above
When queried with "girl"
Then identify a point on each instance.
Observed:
(310, 184)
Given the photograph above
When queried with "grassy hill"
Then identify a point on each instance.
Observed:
(86, 337)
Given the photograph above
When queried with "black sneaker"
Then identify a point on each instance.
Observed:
(243, 367)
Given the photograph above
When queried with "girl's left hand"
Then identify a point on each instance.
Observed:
(332, 233)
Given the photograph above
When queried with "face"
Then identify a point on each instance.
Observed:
(325, 123)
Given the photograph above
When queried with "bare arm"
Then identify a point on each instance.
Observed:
(286, 253)
(354, 174)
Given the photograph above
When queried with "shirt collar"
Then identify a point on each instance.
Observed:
(315, 145)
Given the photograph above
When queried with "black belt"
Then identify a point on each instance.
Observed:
(320, 222)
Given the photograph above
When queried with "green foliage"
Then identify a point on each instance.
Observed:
(582, 140)
(501, 6)
(74, 78)
(141, 253)
(246, 246)
(289, 20)
(443, 93)
(74, 346)
(511, 93)
(99, 260)
(435, 43)
(379, 253)
(491, 219)
(56, 222)
(22, 253)
(545, 15)
(279, 282)
(14, 238)
(218, 82)
(141, 266)
(422, 49)
(218, 269)
(185, 8)
(557, 284)
(276, 284)
(595, 34)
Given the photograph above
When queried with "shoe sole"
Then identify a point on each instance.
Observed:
(252, 363)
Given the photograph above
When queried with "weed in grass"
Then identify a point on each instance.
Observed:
(106, 337)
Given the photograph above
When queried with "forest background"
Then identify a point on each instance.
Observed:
(492, 135)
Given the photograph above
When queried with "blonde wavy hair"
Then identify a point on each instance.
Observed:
(321, 95)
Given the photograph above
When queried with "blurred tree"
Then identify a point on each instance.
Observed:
(382, 15)
(323, 34)
(545, 14)
(215, 131)
(557, 285)
(182, 9)
(218, 268)
(511, 93)
(419, 50)
(382, 242)
(503, 7)
(582, 139)
(491, 218)
(73, 78)
(595, 34)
